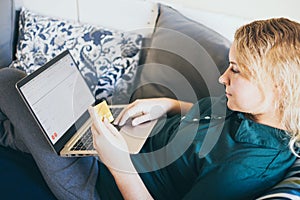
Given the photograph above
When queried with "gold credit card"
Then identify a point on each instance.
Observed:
(103, 110)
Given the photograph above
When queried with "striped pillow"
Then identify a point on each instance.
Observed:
(289, 188)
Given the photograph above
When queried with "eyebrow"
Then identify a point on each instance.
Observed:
(232, 63)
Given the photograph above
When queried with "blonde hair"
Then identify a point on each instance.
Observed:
(270, 49)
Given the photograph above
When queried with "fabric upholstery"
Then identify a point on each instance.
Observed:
(184, 60)
(21, 178)
(7, 22)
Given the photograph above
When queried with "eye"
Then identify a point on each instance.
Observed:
(234, 70)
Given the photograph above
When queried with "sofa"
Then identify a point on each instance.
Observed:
(147, 49)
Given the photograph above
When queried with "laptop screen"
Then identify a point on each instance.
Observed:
(57, 96)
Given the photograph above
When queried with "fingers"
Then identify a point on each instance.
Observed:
(95, 135)
(100, 127)
(110, 128)
(123, 116)
(104, 129)
(131, 111)
(119, 117)
(95, 118)
(141, 119)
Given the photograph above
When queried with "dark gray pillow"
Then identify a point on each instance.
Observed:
(184, 61)
(7, 22)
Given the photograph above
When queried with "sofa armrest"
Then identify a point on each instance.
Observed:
(7, 30)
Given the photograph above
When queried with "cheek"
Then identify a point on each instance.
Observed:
(246, 98)
(251, 97)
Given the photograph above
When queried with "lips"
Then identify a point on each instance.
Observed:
(228, 94)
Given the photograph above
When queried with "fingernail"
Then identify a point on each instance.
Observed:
(121, 124)
(133, 123)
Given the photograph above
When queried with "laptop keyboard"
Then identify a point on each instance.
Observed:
(84, 143)
(116, 111)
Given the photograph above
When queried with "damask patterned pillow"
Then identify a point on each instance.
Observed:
(108, 59)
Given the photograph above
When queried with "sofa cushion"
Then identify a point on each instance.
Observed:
(107, 58)
(7, 28)
(184, 61)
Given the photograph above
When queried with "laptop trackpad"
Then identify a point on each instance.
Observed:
(136, 136)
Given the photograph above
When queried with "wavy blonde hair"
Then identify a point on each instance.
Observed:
(270, 49)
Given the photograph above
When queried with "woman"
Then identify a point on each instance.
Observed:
(225, 148)
(251, 154)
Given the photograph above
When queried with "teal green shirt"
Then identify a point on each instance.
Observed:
(211, 153)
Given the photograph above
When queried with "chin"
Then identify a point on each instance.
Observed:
(232, 106)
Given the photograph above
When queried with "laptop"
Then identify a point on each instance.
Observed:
(58, 98)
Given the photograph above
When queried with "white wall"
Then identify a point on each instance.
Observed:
(224, 16)
(250, 9)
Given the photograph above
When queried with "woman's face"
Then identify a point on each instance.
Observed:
(244, 95)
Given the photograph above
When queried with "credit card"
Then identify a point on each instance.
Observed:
(103, 110)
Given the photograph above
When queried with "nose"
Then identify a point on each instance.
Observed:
(223, 79)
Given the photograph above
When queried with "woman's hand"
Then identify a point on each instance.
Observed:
(143, 110)
(113, 152)
(109, 143)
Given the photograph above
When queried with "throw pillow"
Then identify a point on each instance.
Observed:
(184, 60)
(108, 59)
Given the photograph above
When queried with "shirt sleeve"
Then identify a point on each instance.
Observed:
(245, 189)
(247, 177)
(234, 180)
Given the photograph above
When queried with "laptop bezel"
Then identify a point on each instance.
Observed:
(59, 145)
